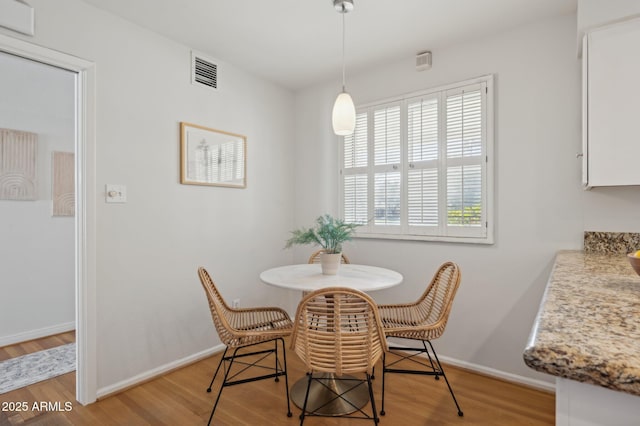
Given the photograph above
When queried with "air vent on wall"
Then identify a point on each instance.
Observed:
(203, 71)
(423, 61)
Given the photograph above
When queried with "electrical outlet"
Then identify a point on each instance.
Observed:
(235, 303)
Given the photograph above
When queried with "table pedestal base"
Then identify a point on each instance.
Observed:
(322, 395)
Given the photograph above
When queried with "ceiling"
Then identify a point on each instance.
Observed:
(296, 43)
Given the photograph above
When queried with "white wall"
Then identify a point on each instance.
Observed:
(594, 13)
(151, 309)
(597, 13)
(612, 209)
(36, 249)
(538, 194)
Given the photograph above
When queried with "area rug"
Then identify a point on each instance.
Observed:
(32, 368)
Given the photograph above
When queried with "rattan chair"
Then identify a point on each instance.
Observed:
(337, 332)
(315, 257)
(242, 328)
(422, 320)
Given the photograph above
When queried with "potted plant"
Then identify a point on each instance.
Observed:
(328, 233)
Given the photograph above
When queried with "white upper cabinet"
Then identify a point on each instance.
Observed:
(611, 114)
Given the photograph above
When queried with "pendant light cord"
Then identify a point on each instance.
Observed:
(343, 49)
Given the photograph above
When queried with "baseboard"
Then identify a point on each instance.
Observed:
(492, 372)
(37, 334)
(157, 372)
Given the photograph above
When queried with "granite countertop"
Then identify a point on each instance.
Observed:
(588, 325)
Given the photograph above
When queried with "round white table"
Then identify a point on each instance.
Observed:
(309, 277)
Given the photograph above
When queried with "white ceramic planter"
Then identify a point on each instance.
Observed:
(330, 263)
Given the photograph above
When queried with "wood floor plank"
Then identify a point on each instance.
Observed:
(31, 346)
(180, 397)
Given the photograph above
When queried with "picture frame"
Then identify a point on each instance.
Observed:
(63, 194)
(212, 157)
(18, 165)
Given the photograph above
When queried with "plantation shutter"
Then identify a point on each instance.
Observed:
(386, 153)
(465, 159)
(354, 173)
(418, 167)
(423, 155)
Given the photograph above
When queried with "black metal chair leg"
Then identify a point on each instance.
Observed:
(384, 366)
(433, 367)
(373, 401)
(306, 398)
(460, 413)
(436, 370)
(275, 344)
(286, 376)
(224, 382)
(278, 370)
(216, 373)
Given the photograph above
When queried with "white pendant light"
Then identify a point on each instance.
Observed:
(343, 117)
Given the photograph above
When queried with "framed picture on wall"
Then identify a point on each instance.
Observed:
(212, 157)
(18, 165)
(63, 183)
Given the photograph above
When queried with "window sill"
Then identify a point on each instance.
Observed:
(410, 237)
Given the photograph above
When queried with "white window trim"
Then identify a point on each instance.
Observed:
(404, 232)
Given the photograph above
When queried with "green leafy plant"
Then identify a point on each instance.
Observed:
(328, 232)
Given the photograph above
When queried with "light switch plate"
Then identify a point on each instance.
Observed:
(115, 193)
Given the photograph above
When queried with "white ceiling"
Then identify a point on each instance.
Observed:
(296, 43)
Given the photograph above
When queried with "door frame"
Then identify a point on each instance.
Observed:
(85, 218)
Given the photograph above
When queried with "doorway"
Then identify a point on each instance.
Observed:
(37, 127)
(83, 136)
(37, 253)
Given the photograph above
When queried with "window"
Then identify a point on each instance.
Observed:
(420, 167)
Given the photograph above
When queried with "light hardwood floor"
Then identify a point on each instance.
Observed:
(179, 398)
(31, 346)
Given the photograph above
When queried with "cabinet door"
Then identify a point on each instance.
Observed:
(585, 113)
(613, 105)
